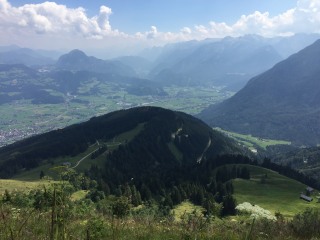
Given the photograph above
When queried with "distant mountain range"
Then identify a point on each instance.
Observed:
(281, 103)
(140, 65)
(229, 62)
(51, 85)
(26, 56)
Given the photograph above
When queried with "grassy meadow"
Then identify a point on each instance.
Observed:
(275, 193)
(253, 142)
(22, 186)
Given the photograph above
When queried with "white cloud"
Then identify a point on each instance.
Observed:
(49, 17)
(4, 5)
(152, 34)
(51, 24)
(305, 17)
(186, 30)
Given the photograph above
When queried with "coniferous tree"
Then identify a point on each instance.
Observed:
(229, 187)
(145, 192)
(176, 196)
(245, 173)
(229, 205)
(168, 201)
(41, 174)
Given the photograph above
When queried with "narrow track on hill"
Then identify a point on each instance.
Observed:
(204, 151)
(97, 143)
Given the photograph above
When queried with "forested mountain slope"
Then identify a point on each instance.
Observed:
(282, 103)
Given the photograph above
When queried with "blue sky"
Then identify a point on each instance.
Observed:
(131, 25)
(171, 15)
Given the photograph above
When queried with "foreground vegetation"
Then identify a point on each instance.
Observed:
(75, 208)
(50, 213)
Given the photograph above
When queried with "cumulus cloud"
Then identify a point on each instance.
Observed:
(49, 21)
(152, 34)
(186, 30)
(50, 17)
(305, 17)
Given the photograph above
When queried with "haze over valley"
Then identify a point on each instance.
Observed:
(188, 76)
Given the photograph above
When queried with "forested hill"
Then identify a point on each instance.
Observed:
(282, 103)
(166, 140)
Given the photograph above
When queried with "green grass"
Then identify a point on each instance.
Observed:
(21, 186)
(47, 168)
(185, 207)
(128, 136)
(29, 119)
(251, 141)
(78, 195)
(175, 151)
(278, 194)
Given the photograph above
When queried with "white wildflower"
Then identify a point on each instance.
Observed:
(255, 211)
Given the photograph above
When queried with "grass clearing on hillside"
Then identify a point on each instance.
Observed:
(21, 186)
(85, 164)
(277, 194)
(175, 151)
(251, 141)
(78, 195)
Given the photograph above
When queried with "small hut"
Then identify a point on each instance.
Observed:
(309, 189)
(305, 197)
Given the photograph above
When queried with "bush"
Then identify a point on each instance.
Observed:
(121, 207)
(307, 224)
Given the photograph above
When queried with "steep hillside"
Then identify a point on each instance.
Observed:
(282, 103)
(168, 141)
(305, 160)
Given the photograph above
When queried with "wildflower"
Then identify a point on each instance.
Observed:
(256, 211)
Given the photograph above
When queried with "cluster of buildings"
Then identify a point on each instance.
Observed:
(14, 134)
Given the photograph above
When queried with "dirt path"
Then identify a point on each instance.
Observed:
(204, 151)
(97, 143)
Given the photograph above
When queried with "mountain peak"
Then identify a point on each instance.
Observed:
(77, 60)
(72, 56)
(77, 52)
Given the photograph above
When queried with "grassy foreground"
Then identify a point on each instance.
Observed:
(60, 214)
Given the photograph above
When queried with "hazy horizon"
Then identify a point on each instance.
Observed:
(113, 28)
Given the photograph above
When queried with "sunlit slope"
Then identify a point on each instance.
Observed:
(272, 191)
